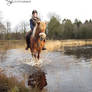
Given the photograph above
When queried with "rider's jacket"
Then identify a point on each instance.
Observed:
(33, 22)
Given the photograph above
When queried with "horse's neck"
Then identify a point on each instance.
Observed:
(34, 31)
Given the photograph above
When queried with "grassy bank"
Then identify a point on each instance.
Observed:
(50, 44)
(11, 84)
(57, 44)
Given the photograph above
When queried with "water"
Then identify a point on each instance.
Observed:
(69, 70)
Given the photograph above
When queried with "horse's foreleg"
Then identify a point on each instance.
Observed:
(32, 54)
(35, 55)
(38, 55)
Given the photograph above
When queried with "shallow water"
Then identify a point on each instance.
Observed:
(69, 70)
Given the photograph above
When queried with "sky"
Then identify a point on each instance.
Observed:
(71, 9)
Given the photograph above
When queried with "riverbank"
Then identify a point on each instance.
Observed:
(51, 45)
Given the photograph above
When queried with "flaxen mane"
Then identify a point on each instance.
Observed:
(42, 27)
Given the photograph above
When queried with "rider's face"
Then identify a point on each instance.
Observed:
(35, 14)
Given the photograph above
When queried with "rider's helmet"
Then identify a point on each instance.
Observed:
(34, 11)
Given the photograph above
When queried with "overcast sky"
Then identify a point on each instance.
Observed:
(71, 9)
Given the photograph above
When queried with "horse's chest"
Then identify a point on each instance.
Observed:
(39, 44)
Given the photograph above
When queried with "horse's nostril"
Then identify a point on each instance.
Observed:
(41, 38)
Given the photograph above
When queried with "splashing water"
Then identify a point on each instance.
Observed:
(34, 62)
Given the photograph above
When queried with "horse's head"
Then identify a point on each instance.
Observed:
(41, 29)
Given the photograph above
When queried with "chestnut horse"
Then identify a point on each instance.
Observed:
(37, 39)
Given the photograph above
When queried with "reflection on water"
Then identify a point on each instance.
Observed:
(37, 79)
(79, 52)
(2, 56)
(6, 45)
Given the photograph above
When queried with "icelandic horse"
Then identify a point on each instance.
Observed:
(37, 39)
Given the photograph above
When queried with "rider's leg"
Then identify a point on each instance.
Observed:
(28, 39)
(28, 36)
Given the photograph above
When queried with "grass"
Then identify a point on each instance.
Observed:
(11, 84)
(51, 45)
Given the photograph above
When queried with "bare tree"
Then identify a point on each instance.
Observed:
(2, 31)
(8, 28)
(23, 28)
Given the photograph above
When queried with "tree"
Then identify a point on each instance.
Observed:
(8, 28)
(2, 31)
(54, 28)
(77, 22)
(23, 27)
(68, 29)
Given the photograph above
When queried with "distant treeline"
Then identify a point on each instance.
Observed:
(56, 29)
(17, 34)
(67, 30)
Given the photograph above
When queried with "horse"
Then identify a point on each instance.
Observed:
(37, 39)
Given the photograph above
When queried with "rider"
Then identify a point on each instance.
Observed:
(33, 22)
